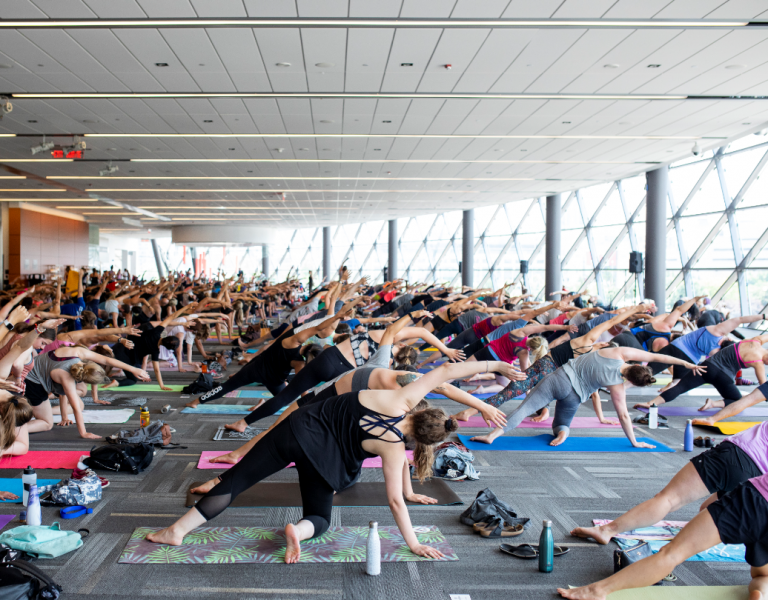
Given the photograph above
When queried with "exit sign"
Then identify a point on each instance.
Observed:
(69, 154)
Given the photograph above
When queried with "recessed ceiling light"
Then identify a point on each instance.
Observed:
(406, 64)
(326, 149)
(90, 121)
(611, 66)
(201, 65)
(5, 66)
(734, 67)
(742, 123)
(325, 65)
(32, 121)
(283, 64)
(156, 64)
(304, 149)
(654, 66)
(566, 122)
(326, 120)
(624, 123)
(377, 149)
(386, 121)
(207, 120)
(232, 149)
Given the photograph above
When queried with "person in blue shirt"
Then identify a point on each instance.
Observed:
(74, 306)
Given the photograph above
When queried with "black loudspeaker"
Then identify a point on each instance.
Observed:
(524, 267)
(635, 262)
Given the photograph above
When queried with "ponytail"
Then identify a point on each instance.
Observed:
(88, 372)
(537, 347)
(430, 426)
(13, 413)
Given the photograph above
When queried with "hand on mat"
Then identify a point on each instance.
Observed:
(421, 499)
(102, 401)
(455, 355)
(144, 376)
(493, 416)
(605, 421)
(90, 436)
(642, 445)
(165, 388)
(427, 551)
(8, 496)
(64, 422)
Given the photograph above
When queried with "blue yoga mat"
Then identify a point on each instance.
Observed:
(432, 396)
(253, 394)
(15, 487)
(540, 443)
(222, 409)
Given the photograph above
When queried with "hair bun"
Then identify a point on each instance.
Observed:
(451, 424)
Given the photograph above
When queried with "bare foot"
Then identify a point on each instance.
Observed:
(293, 544)
(230, 459)
(193, 404)
(708, 405)
(474, 389)
(542, 417)
(166, 536)
(465, 414)
(206, 487)
(707, 422)
(111, 384)
(581, 593)
(252, 408)
(559, 439)
(240, 426)
(485, 439)
(642, 405)
(755, 595)
(596, 533)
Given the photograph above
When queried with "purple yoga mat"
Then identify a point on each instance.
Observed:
(577, 423)
(5, 519)
(692, 411)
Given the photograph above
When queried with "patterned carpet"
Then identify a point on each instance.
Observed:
(568, 488)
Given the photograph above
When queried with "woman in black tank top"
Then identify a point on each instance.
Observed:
(328, 442)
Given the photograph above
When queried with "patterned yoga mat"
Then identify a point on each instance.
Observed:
(248, 394)
(224, 434)
(205, 455)
(222, 545)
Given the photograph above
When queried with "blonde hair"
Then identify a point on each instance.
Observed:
(88, 372)
(13, 413)
(537, 347)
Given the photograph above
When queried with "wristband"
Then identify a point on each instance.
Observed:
(40, 330)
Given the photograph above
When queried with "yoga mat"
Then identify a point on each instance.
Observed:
(730, 427)
(684, 592)
(121, 415)
(16, 487)
(216, 545)
(5, 519)
(223, 434)
(432, 396)
(203, 463)
(44, 459)
(148, 387)
(248, 394)
(655, 391)
(577, 423)
(360, 494)
(540, 443)
(223, 409)
(692, 411)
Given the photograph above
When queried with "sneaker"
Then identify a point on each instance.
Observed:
(454, 475)
(744, 381)
(78, 473)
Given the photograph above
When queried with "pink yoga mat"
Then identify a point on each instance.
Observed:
(578, 423)
(44, 459)
(368, 463)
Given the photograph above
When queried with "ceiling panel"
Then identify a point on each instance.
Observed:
(326, 8)
(408, 59)
(367, 55)
(382, 9)
(22, 9)
(283, 45)
(108, 9)
(738, 9)
(178, 9)
(457, 48)
(631, 9)
(270, 8)
(326, 48)
(583, 9)
(219, 8)
(427, 9)
(65, 9)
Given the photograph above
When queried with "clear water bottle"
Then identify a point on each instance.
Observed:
(28, 478)
(34, 514)
(653, 417)
(688, 437)
(546, 548)
(373, 550)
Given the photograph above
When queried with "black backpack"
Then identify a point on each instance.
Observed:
(133, 458)
(203, 383)
(20, 580)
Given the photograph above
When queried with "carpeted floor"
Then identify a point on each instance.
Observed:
(568, 488)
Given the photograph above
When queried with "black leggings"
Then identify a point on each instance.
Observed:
(273, 453)
(127, 356)
(721, 380)
(328, 365)
(250, 373)
(466, 337)
(453, 328)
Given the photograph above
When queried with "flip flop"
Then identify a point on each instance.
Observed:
(560, 550)
(501, 529)
(525, 551)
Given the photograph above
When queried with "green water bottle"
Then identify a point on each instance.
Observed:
(546, 548)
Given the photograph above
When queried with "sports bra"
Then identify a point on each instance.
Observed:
(647, 333)
(356, 340)
(562, 353)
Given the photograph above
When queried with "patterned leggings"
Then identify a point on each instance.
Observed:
(536, 372)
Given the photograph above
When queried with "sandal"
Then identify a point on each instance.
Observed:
(478, 526)
(500, 529)
(698, 442)
(709, 442)
(525, 551)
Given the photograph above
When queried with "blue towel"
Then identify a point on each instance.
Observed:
(222, 409)
(540, 443)
(15, 487)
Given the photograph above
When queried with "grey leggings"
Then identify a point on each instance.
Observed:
(555, 386)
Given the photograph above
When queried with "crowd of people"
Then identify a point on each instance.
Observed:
(343, 362)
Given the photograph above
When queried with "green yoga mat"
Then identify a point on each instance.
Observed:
(684, 592)
(216, 545)
(148, 387)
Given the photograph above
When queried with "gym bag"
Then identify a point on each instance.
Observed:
(20, 580)
(156, 433)
(487, 508)
(203, 383)
(42, 541)
(75, 492)
(133, 458)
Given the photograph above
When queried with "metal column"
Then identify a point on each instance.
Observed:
(158, 258)
(265, 261)
(193, 256)
(553, 279)
(656, 236)
(392, 251)
(327, 254)
(468, 248)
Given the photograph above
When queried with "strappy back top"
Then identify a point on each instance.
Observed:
(331, 433)
(729, 359)
(564, 352)
(647, 333)
(356, 340)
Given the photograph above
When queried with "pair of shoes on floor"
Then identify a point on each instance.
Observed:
(497, 529)
(706, 442)
(744, 381)
(454, 475)
(83, 473)
(529, 551)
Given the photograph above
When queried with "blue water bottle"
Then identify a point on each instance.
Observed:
(688, 438)
(546, 548)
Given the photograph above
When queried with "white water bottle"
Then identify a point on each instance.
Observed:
(653, 417)
(34, 516)
(28, 478)
(373, 550)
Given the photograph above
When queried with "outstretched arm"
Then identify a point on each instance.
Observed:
(419, 332)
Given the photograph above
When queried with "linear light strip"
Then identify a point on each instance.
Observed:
(373, 23)
(372, 136)
(327, 160)
(139, 178)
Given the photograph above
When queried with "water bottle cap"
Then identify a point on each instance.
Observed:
(23, 515)
(29, 471)
(373, 524)
(547, 523)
